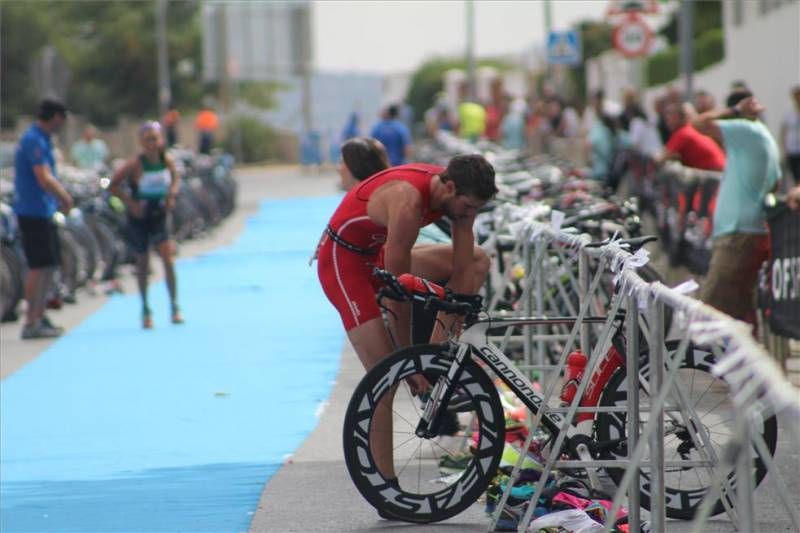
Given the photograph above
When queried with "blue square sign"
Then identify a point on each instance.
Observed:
(564, 48)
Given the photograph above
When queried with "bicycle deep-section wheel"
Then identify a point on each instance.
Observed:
(422, 492)
(708, 396)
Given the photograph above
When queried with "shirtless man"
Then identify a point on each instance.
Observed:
(376, 224)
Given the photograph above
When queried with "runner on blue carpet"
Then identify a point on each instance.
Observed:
(151, 187)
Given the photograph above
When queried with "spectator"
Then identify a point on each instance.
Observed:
(361, 158)
(752, 169)
(438, 117)
(352, 128)
(206, 125)
(793, 198)
(394, 135)
(495, 111)
(630, 108)
(563, 119)
(672, 96)
(513, 126)
(602, 138)
(170, 120)
(89, 151)
(643, 136)
(790, 137)
(703, 101)
(689, 146)
(37, 193)
(471, 117)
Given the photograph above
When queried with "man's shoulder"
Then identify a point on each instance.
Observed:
(32, 135)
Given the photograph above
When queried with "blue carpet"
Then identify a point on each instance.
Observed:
(176, 429)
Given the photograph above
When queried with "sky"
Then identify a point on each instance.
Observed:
(393, 36)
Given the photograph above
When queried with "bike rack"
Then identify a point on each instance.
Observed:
(758, 388)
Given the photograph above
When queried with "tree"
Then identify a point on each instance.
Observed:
(427, 80)
(17, 52)
(111, 51)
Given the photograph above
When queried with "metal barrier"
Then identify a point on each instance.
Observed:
(758, 388)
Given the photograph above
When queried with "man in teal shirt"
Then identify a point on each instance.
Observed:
(90, 151)
(741, 240)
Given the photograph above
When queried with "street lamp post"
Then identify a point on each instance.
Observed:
(471, 85)
(164, 91)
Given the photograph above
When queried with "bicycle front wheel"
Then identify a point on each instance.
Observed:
(426, 487)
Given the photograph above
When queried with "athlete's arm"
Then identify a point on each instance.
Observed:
(175, 184)
(115, 187)
(463, 244)
(398, 206)
(462, 279)
(50, 184)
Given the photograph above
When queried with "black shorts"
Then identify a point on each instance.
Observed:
(40, 241)
(150, 230)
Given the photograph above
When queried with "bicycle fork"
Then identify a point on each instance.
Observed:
(433, 412)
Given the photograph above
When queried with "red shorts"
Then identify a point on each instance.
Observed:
(347, 281)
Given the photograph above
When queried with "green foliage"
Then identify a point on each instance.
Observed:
(258, 141)
(259, 94)
(17, 50)
(427, 80)
(595, 39)
(708, 49)
(110, 49)
(707, 17)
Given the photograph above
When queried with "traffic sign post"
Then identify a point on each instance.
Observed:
(564, 48)
(632, 36)
(621, 7)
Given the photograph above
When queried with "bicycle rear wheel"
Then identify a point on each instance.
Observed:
(685, 486)
(422, 492)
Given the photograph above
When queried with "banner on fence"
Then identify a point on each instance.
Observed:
(784, 270)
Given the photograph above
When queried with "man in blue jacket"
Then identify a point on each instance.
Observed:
(38, 194)
(394, 135)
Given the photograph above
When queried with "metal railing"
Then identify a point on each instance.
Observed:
(758, 389)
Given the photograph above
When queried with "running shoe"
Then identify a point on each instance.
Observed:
(177, 317)
(46, 322)
(147, 319)
(451, 464)
(40, 330)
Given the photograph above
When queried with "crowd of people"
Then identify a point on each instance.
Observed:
(697, 132)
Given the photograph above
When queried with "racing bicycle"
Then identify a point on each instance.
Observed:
(466, 367)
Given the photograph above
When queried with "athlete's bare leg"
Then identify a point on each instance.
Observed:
(372, 343)
(434, 262)
(166, 250)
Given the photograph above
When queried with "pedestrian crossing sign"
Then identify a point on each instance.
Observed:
(564, 48)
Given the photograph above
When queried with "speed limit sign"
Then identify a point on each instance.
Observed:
(632, 36)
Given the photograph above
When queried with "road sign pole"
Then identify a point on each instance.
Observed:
(685, 31)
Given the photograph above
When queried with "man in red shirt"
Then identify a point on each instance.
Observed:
(376, 224)
(689, 146)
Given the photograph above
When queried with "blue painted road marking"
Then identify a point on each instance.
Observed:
(176, 429)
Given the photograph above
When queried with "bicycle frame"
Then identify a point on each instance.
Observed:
(473, 341)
